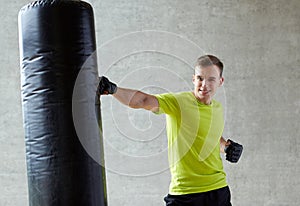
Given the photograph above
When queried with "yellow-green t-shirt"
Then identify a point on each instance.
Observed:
(194, 131)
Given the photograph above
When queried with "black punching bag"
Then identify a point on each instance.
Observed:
(57, 37)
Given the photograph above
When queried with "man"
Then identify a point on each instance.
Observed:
(194, 128)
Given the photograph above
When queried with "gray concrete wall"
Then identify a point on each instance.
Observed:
(151, 45)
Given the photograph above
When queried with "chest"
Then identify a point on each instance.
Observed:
(202, 120)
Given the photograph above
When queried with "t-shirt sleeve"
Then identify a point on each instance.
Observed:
(167, 104)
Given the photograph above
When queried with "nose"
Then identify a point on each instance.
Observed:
(204, 83)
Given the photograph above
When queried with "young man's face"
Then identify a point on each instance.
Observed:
(206, 82)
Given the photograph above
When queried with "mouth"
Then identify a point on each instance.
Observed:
(204, 92)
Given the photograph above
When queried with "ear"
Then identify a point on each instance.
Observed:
(221, 81)
(193, 78)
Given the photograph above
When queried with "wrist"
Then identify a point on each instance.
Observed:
(114, 88)
(228, 142)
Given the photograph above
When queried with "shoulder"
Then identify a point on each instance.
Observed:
(174, 96)
(169, 103)
(217, 104)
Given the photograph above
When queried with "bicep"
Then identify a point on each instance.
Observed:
(151, 103)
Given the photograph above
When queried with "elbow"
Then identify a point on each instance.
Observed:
(134, 105)
(138, 101)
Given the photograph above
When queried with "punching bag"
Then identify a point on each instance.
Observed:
(56, 38)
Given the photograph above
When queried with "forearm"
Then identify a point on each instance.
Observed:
(223, 144)
(135, 99)
(130, 97)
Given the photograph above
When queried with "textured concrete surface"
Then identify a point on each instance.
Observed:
(151, 45)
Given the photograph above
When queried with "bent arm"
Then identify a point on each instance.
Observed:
(136, 99)
(223, 144)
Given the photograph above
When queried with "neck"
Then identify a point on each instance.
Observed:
(206, 101)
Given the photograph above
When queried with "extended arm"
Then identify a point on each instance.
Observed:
(130, 97)
(136, 99)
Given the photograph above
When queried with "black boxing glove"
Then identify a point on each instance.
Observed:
(106, 87)
(233, 151)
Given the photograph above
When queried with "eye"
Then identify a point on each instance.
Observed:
(200, 78)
